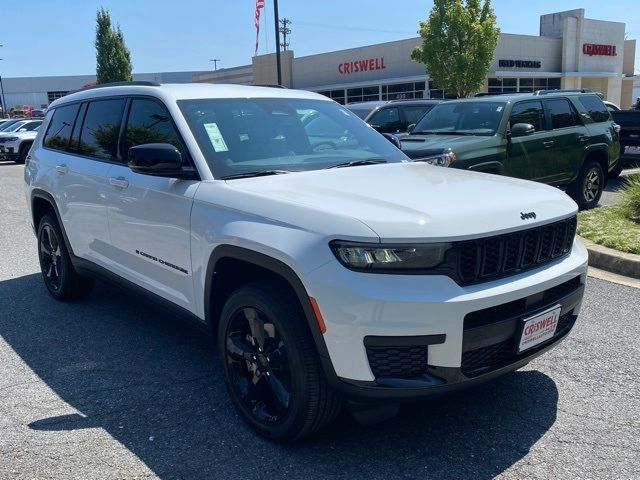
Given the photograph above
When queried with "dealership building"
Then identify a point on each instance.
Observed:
(570, 52)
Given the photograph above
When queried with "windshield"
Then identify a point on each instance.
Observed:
(6, 127)
(463, 118)
(239, 136)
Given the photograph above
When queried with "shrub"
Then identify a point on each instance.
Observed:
(631, 198)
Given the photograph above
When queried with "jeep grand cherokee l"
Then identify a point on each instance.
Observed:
(331, 277)
(563, 139)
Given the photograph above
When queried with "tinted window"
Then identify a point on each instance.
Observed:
(561, 113)
(59, 131)
(149, 122)
(101, 128)
(476, 118)
(388, 119)
(528, 112)
(595, 108)
(414, 114)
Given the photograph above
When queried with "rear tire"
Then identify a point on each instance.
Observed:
(271, 367)
(587, 189)
(60, 278)
(22, 153)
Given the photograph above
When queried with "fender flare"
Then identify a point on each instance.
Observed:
(279, 268)
(39, 193)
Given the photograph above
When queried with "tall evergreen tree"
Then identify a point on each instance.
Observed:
(459, 40)
(113, 59)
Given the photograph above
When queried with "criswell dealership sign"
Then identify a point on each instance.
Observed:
(597, 49)
(364, 65)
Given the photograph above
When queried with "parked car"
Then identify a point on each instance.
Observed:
(394, 116)
(19, 125)
(331, 277)
(612, 107)
(38, 113)
(568, 140)
(16, 145)
(629, 121)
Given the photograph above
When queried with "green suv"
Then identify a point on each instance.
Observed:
(563, 139)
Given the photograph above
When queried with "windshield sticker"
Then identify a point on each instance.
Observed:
(499, 109)
(216, 138)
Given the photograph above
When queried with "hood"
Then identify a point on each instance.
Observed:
(420, 146)
(412, 201)
(19, 134)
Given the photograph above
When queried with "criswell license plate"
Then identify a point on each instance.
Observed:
(539, 328)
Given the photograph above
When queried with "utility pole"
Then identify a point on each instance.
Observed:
(285, 31)
(4, 103)
(215, 63)
(277, 25)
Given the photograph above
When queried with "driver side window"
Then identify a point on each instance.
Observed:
(528, 112)
(386, 120)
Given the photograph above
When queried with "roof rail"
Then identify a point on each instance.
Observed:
(121, 84)
(273, 85)
(576, 90)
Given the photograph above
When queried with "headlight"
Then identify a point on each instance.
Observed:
(379, 257)
(11, 139)
(443, 160)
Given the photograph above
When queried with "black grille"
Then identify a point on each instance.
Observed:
(493, 257)
(398, 362)
(485, 359)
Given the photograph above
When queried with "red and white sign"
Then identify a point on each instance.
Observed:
(364, 65)
(597, 49)
(539, 328)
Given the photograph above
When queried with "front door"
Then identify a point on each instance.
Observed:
(527, 156)
(149, 217)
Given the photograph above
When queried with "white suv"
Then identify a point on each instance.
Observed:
(331, 270)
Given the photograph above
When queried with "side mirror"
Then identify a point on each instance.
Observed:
(22, 130)
(159, 159)
(392, 138)
(522, 130)
(411, 127)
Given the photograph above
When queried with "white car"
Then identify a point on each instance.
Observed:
(15, 145)
(329, 276)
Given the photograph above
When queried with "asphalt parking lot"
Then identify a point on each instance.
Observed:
(112, 387)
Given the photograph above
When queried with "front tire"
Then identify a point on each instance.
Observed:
(271, 367)
(59, 276)
(587, 189)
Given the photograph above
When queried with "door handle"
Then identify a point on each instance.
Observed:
(583, 138)
(119, 182)
(548, 143)
(62, 169)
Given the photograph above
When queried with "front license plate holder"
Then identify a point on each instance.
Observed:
(539, 328)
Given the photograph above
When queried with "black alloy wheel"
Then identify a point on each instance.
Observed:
(51, 258)
(258, 365)
(271, 366)
(60, 278)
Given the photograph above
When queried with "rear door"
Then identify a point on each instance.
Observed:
(570, 137)
(527, 155)
(80, 180)
(149, 217)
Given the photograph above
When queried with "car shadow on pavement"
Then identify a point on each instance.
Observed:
(154, 384)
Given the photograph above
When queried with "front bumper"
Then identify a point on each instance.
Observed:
(8, 151)
(467, 334)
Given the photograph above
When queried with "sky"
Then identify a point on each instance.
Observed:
(40, 39)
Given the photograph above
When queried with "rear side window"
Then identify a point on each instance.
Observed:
(595, 108)
(59, 130)
(561, 113)
(149, 122)
(415, 114)
(101, 128)
(528, 112)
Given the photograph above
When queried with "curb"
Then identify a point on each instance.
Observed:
(622, 263)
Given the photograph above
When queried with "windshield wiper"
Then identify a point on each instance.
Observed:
(258, 173)
(357, 163)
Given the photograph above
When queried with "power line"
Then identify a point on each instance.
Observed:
(360, 29)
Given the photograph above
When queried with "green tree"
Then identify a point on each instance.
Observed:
(112, 55)
(459, 39)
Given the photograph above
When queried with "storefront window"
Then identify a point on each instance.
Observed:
(337, 95)
(512, 85)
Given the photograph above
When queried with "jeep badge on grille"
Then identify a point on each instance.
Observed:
(528, 215)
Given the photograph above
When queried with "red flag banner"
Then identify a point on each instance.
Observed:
(256, 21)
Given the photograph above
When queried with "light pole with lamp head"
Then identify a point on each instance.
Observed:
(215, 63)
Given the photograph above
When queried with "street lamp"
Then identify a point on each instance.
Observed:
(4, 103)
(215, 63)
